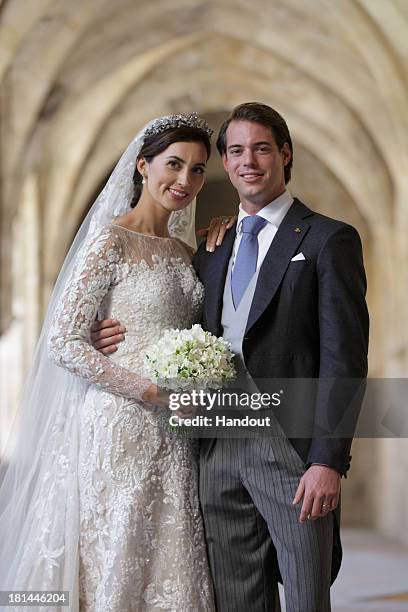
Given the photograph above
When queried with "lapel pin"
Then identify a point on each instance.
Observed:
(297, 230)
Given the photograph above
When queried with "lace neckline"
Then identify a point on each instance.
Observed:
(141, 234)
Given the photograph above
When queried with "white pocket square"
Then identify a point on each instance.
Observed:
(298, 257)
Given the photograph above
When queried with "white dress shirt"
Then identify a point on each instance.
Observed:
(274, 213)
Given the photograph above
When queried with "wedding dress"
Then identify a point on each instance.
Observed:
(98, 499)
(141, 541)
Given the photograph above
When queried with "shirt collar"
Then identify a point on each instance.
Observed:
(273, 212)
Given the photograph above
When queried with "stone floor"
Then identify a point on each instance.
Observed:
(374, 574)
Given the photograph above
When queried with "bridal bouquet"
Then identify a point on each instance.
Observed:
(188, 359)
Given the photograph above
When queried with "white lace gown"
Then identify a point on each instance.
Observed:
(142, 545)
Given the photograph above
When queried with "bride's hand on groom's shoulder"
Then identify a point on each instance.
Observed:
(106, 335)
(216, 231)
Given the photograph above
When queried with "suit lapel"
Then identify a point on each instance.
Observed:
(216, 273)
(283, 247)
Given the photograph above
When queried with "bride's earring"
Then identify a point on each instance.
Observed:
(144, 180)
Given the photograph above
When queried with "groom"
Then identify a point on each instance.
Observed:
(287, 289)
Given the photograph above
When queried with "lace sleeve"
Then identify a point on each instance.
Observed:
(69, 340)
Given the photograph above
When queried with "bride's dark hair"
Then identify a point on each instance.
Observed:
(157, 143)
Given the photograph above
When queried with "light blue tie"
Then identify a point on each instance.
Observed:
(247, 256)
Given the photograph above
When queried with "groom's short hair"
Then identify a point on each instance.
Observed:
(265, 115)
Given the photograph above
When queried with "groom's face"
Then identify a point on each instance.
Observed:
(254, 163)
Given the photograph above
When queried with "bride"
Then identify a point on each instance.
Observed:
(101, 500)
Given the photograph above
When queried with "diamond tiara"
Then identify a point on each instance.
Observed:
(169, 122)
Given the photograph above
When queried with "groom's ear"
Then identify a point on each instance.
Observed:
(224, 159)
(286, 154)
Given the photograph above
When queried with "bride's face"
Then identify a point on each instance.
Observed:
(175, 176)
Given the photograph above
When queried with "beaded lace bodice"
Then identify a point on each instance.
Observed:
(145, 282)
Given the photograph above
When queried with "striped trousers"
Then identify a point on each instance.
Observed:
(246, 490)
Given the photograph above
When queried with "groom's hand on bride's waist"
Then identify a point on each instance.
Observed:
(106, 335)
